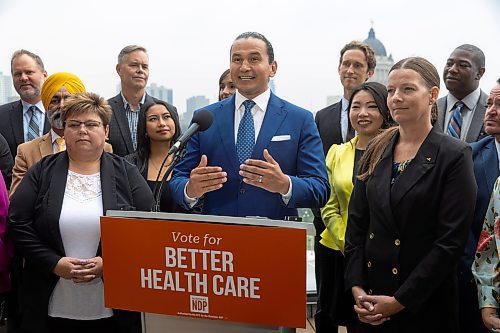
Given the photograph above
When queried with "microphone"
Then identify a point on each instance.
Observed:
(201, 121)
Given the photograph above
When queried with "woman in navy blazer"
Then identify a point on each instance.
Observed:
(54, 216)
(410, 213)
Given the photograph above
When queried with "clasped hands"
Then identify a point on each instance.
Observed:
(265, 174)
(79, 270)
(374, 309)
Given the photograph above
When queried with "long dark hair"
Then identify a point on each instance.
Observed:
(143, 140)
(379, 94)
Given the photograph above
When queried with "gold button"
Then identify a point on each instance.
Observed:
(369, 264)
(395, 271)
(372, 235)
(397, 242)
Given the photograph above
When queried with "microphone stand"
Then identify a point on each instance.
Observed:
(178, 155)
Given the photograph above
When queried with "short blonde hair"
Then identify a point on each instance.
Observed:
(86, 103)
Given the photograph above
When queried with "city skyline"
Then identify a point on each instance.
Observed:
(188, 42)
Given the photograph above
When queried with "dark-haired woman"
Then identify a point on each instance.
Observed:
(368, 114)
(157, 130)
(409, 213)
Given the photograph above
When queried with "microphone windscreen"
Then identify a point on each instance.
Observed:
(203, 118)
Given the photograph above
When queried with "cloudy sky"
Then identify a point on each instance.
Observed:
(188, 40)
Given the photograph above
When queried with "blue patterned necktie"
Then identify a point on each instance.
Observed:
(33, 126)
(246, 133)
(455, 126)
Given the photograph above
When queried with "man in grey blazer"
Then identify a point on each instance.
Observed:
(133, 69)
(462, 73)
(356, 65)
(28, 74)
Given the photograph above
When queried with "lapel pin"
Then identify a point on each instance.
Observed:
(428, 159)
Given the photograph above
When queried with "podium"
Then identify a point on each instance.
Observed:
(199, 273)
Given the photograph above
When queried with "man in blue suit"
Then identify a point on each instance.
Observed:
(486, 170)
(262, 156)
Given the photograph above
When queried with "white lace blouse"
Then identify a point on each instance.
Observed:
(80, 232)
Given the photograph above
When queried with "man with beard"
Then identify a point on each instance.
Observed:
(55, 90)
(461, 112)
(25, 119)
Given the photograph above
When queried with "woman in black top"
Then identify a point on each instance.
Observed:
(158, 129)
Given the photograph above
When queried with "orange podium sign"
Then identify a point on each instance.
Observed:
(238, 273)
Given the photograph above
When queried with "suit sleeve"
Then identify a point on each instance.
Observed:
(454, 220)
(182, 171)
(357, 228)
(24, 209)
(6, 162)
(330, 213)
(141, 193)
(19, 170)
(310, 186)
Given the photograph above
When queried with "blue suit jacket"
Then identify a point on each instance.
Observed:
(300, 157)
(486, 172)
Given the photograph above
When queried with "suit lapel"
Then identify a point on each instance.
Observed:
(477, 119)
(225, 127)
(45, 145)
(335, 125)
(56, 195)
(122, 122)
(109, 199)
(16, 122)
(424, 161)
(489, 160)
(275, 114)
(382, 181)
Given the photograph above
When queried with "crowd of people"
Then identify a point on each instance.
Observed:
(401, 183)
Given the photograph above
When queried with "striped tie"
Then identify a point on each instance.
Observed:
(246, 133)
(33, 127)
(455, 126)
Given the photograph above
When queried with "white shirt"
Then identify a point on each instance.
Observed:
(468, 109)
(258, 113)
(80, 232)
(27, 118)
(344, 118)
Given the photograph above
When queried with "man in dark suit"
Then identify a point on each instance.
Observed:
(262, 155)
(461, 112)
(28, 75)
(356, 65)
(486, 170)
(133, 69)
(22, 121)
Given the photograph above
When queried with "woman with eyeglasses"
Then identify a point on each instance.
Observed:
(54, 217)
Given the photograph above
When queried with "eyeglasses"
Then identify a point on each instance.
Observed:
(90, 125)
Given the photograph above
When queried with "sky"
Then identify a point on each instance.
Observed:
(188, 41)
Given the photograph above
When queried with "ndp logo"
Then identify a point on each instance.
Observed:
(198, 304)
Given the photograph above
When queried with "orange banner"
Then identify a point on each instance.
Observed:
(238, 273)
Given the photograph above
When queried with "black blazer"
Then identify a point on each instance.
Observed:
(328, 123)
(329, 128)
(6, 161)
(34, 214)
(11, 126)
(405, 240)
(119, 132)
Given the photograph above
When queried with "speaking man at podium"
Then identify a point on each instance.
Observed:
(262, 156)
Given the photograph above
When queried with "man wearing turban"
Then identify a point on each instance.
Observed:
(55, 90)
